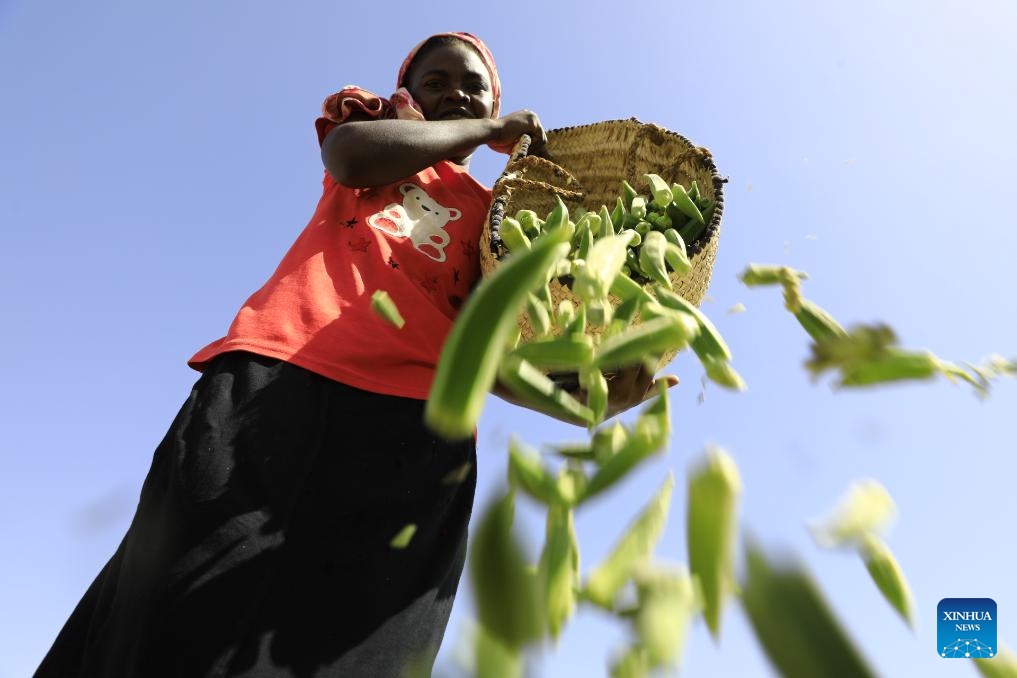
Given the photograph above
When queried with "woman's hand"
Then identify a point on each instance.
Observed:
(629, 387)
(508, 129)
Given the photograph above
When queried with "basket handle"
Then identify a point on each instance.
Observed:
(497, 213)
(521, 149)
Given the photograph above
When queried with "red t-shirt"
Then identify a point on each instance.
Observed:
(417, 239)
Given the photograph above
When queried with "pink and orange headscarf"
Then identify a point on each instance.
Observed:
(338, 107)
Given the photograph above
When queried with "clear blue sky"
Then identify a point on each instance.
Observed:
(156, 160)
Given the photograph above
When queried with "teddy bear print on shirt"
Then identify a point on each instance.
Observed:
(420, 218)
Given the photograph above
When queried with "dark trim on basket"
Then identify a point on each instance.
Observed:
(706, 160)
(497, 212)
(495, 217)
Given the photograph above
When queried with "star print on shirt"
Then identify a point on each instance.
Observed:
(359, 245)
(393, 263)
(430, 283)
(350, 223)
(455, 276)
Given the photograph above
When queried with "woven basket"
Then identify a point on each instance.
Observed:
(590, 162)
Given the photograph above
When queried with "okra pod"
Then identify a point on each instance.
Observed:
(539, 316)
(651, 258)
(685, 204)
(382, 304)
(886, 573)
(475, 344)
(606, 222)
(818, 323)
(713, 492)
(895, 365)
(708, 342)
(761, 274)
(512, 235)
(567, 352)
(677, 259)
(628, 195)
(637, 208)
(651, 338)
(633, 549)
(538, 391)
(555, 571)
(595, 383)
(531, 223)
(527, 472)
(662, 194)
(594, 280)
(783, 603)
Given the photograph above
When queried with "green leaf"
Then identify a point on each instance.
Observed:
(505, 589)
(794, 624)
(889, 578)
(712, 524)
(635, 547)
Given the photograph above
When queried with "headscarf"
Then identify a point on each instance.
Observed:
(402, 98)
(338, 107)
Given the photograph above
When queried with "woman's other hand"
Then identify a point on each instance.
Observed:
(508, 129)
(631, 386)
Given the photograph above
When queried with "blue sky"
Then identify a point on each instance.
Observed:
(156, 160)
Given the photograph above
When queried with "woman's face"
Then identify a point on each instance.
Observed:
(450, 82)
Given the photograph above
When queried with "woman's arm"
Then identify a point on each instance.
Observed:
(366, 153)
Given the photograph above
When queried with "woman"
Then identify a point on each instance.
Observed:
(263, 540)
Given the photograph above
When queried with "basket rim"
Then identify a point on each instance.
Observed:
(712, 230)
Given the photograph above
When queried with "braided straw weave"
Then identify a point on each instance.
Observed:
(590, 162)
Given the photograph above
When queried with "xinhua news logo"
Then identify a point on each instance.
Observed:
(966, 628)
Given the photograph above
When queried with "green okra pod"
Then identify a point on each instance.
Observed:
(555, 571)
(628, 195)
(652, 258)
(595, 383)
(477, 340)
(539, 316)
(714, 489)
(606, 222)
(661, 192)
(888, 577)
(539, 392)
(632, 550)
(818, 323)
(531, 223)
(382, 304)
(654, 337)
(567, 352)
(512, 235)
(593, 281)
(685, 204)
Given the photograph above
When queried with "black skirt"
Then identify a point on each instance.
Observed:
(262, 543)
